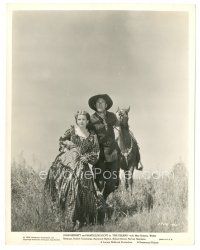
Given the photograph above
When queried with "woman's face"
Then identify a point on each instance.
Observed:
(82, 121)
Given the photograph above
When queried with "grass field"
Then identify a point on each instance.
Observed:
(156, 205)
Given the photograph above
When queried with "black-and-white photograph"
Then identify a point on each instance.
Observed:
(100, 123)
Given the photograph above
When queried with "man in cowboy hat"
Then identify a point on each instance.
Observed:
(106, 171)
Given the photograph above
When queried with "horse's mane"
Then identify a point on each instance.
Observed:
(124, 126)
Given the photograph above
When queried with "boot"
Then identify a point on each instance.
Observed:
(139, 166)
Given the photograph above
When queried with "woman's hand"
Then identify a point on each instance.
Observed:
(67, 144)
(61, 146)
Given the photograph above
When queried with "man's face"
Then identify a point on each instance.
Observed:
(101, 105)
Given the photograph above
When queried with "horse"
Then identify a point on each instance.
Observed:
(130, 155)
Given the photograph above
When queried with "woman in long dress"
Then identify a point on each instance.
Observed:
(70, 180)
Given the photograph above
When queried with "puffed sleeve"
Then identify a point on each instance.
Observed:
(93, 156)
(66, 136)
(63, 139)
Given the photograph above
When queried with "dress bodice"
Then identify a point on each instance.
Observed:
(85, 144)
(88, 145)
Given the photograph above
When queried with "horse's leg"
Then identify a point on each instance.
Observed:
(126, 173)
(131, 178)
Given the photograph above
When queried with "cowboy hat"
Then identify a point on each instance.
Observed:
(92, 101)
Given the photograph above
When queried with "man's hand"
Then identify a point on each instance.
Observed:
(99, 193)
(84, 159)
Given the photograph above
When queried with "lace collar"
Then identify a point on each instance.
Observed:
(78, 132)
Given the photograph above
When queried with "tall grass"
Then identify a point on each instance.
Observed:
(156, 205)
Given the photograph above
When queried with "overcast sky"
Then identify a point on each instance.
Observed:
(61, 59)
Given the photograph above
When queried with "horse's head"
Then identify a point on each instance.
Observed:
(122, 116)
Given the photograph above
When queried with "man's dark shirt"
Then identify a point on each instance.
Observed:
(105, 133)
